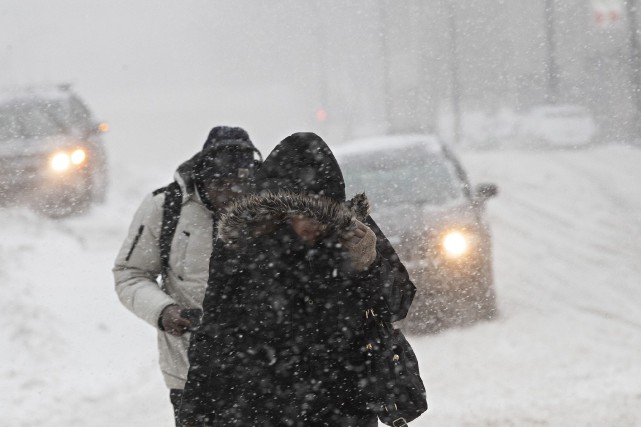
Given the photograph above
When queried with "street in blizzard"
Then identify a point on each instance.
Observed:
(496, 142)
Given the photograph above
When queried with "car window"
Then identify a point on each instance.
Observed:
(69, 113)
(79, 115)
(38, 121)
(406, 176)
(31, 120)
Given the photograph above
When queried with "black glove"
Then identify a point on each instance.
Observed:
(172, 322)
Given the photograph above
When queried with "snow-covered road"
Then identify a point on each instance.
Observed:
(566, 350)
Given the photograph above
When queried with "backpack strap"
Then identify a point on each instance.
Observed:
(170, 216)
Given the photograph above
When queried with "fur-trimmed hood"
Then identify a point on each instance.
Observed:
(257, 214)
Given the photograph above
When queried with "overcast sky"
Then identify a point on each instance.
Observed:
(167, 71)
(171, 69)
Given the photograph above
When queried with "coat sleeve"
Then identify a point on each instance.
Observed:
(391, 290)
(196, 404)
(137, 265)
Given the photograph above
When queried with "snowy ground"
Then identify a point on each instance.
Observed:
(565, 352)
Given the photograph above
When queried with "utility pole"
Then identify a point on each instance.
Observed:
(552, 93)
(425, 98)
(454, 74)
(635, 62)
(323, 69)
(385, 66)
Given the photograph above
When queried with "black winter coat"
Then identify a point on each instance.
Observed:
(280, 342)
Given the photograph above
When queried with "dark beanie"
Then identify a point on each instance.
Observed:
(227, 153)
(302, 163)
(225, 133)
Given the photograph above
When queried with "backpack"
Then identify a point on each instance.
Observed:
(172, 207)
(170, 215)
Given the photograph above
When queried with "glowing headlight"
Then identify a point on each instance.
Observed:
(60, 162)
(78, 156)
(455, 244)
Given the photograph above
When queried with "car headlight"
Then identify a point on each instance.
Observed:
(60, 162)
(455, 244)
(78, 156)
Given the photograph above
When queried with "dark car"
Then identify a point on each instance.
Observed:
(422, 200)
(51, 151)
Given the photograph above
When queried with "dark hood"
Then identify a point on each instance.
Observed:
(302, 163)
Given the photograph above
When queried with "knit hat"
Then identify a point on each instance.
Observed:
(226, 133)
(227, 153)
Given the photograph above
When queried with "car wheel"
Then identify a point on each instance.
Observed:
(486, 304)
(443, 304)
(100, 183)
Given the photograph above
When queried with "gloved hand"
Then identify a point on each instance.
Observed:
(172, 322)
(360, 242)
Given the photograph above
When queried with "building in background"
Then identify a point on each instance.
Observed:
(397, 74)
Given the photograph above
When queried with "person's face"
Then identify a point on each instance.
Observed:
(308, 229)
(221, 193)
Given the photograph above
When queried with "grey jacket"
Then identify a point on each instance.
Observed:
(137, 269)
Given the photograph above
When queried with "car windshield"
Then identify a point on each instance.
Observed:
(401, 177)
(31, 120)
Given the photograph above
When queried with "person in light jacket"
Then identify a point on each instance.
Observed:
(203, 185)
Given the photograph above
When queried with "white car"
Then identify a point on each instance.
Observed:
(422, 200)
(52, 154)
(561, 126)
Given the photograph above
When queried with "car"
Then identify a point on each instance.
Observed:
(422, 200)
(557, 126)
(52, 154)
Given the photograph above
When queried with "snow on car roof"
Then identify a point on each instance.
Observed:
(49, 92)
(387, 143)
(559, 108)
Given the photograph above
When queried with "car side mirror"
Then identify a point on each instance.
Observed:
(485, 191)
(102, 127)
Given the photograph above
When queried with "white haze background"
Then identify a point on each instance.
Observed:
(567, 229)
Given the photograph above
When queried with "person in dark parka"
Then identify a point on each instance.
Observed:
(293, 272)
